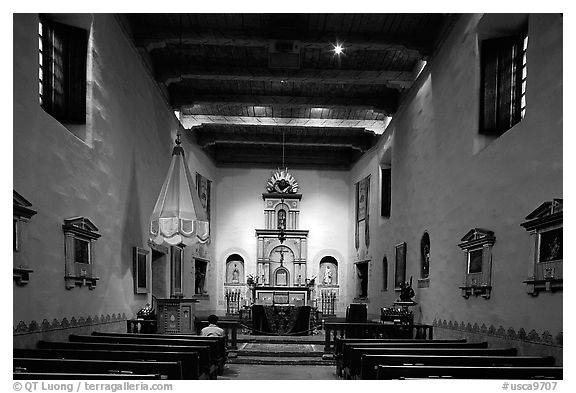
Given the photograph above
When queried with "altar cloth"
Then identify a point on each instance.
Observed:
(281, 320)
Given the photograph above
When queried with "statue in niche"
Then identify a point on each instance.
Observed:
(426, 267)
(327, 275)
(282, 219)
(200, 279)
(235, 274)
(362, 272)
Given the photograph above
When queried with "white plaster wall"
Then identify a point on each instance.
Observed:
(324, 212)
(442, 184)
(113, 180)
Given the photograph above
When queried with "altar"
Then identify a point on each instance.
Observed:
(281, 320)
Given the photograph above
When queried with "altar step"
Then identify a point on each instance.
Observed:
(280, 360)
(282, 339)
(287, 352)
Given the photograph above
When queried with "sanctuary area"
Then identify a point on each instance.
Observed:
(335, 196)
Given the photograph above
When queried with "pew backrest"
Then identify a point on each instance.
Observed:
(81, 376)
(147, 341)
(166, 370)
(370, 363)
(220, 340)
(462, 372)
(188, 360)
(352, 361)
(346, 347)
(203, 352)
(340, 341)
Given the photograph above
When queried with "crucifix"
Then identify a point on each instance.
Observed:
(281, 251)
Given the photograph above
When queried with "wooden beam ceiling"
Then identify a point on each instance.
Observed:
(240, 79)
(394, 79)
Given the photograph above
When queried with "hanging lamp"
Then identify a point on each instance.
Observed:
(178, 216)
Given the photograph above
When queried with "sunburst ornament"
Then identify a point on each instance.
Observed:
(282, 182)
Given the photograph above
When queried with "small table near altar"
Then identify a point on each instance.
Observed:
(281, 310)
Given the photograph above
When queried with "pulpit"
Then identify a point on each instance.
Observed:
(176, 315)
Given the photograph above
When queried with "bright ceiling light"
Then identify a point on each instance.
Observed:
(338, 49)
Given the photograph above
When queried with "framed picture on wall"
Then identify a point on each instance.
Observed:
(363, 199)
(400, 273)
(141, 280)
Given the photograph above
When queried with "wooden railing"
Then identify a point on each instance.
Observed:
(230, 329)
(373, 330)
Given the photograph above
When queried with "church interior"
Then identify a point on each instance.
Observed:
(350, 194)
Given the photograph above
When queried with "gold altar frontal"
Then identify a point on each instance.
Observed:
(281, 295)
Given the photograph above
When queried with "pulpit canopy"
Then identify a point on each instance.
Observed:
(178, 215)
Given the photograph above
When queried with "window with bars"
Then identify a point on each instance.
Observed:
(503, 83)
(62, 71)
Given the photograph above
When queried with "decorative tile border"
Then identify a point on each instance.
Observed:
(509, 334)
(45, 326)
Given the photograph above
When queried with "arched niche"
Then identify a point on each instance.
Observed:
(234, 269)
(281, 277)
(328, 271)
(424, 280)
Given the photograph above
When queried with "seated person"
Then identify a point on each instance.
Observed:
(212, 329)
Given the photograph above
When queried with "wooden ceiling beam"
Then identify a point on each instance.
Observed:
(392, 79)
(159, 38)
(190, 121)
(183, 99)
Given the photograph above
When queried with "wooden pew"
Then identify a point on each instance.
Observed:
(65, 376)
(216, 360)
(204, 359)
(344, 361)
(338, 343)
(188, 360)
(374, 330)
(220, 340)
(166, 370)
(230, 330)
(354, 359)
(461, 372)
(370, 363)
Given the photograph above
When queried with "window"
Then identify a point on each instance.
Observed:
(62, 71)
(385, 274)
(477, 245)
(80, 235)
(141, 281)
(503, 83)
(176, 275)
(545, 226)
(386, 192)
